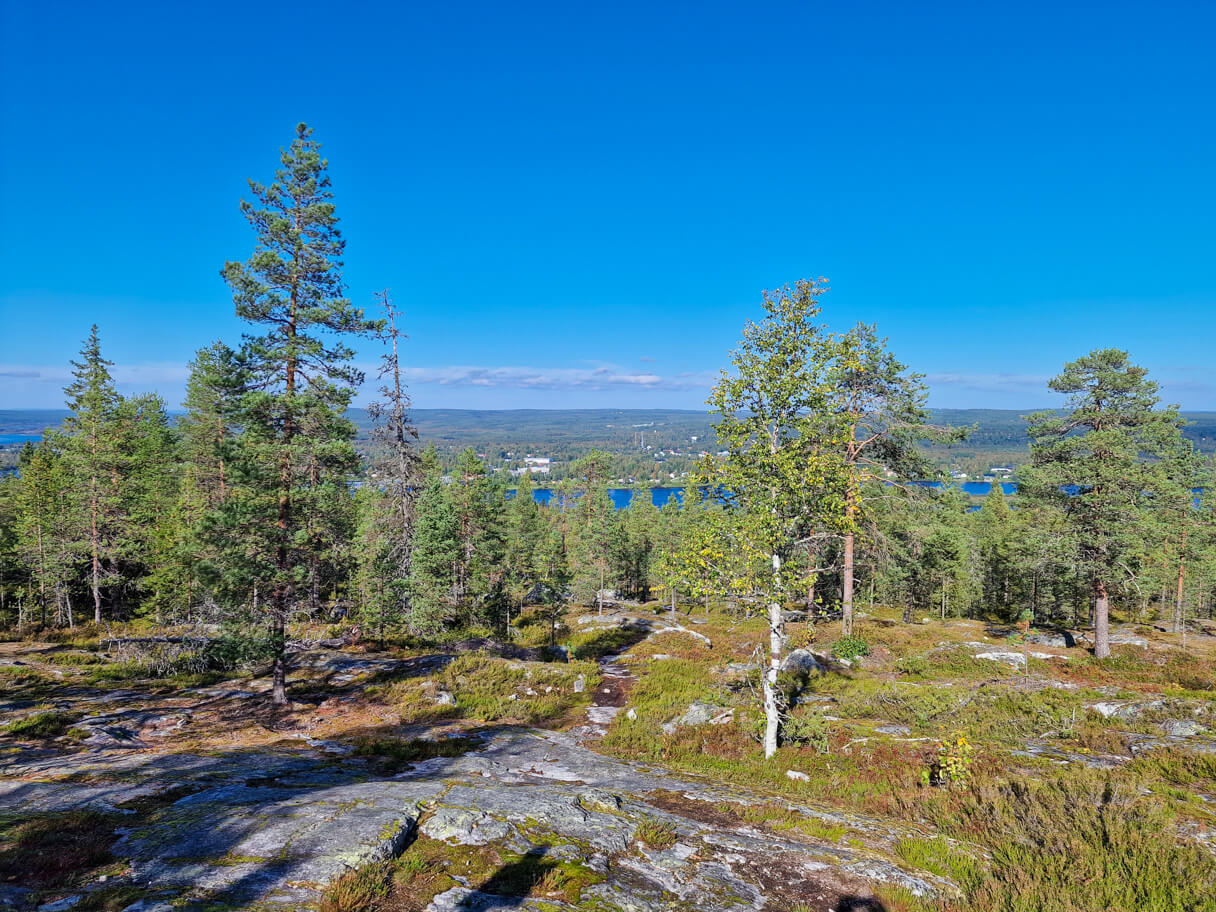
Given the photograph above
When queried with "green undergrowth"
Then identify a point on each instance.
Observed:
(594, 644)
(663, 691)
(429, 867)
(487, 689)
(656, 834)
(394, 755)
(56, 850)
(41, 725)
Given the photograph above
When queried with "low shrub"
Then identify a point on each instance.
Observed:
(55, 849)
(850, 647)
(656, 834)
(48, 724)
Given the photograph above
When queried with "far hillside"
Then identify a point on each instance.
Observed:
(648, 443)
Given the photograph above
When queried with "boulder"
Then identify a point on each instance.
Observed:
(1012, 659)
(465, 826)
(797, 776)
(893, 730)
(793, 616)
(700, 713)
(444, 698)
(801, 660)
(1062, 640)
(1181, 728)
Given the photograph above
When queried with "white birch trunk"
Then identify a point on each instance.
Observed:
(776, 641)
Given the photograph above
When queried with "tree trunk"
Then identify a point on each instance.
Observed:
(1101, 620)
(278, 693)
(846, 585)
(1179, 615)
(776, 639)
(96, 587)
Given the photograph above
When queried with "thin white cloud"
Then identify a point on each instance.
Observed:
(554, 378)
(995, 382)
(41, 386)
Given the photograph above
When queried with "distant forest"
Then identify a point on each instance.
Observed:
(998, 436)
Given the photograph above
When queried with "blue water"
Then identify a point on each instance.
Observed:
(620, 497)
(19, 438)
(976, 488)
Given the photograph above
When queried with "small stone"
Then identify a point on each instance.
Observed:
(444, 698)
(631, 714)
(893, 730)
(580, 684)
(797, 776)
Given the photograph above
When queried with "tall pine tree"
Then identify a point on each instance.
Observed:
(294, 456)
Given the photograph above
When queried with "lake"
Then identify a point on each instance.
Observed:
(620, 496)
(659, 496)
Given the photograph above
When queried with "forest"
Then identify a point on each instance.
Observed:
(809, 567)
(253, 509)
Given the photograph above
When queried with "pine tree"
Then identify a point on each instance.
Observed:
(876, 412)
(1100, 466)
(92, 462)
(294, 455)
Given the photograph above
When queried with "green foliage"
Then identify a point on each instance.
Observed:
(656, 834)
(47, 724)
(1104, 466)
(914, 666)
(806, 729)
(850, 647)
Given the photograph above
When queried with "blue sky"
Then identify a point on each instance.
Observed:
(578, 204)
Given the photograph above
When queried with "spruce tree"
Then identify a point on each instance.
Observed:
(151, 473)
(994, 532)
(386, 505)
(294, 456)
(43, 540)
(524, 530)
(435, 558)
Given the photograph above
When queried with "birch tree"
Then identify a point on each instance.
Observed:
(781, 471)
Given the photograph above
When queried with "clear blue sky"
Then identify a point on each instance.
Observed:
(578, 204)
